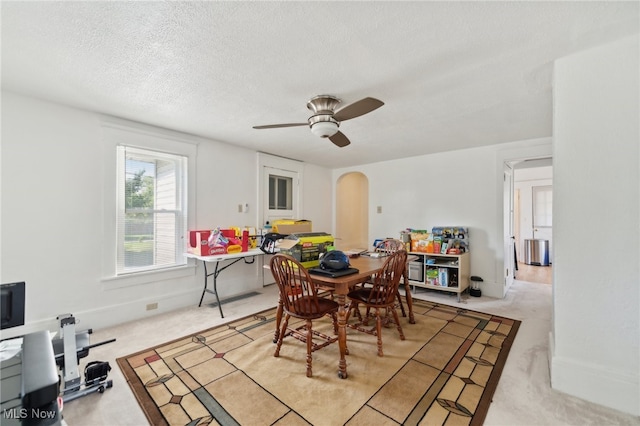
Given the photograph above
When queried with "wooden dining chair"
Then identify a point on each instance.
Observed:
(387, 247)
(299, 299)
(379, 298)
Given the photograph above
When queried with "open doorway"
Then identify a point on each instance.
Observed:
(533, 221)
(352, 211)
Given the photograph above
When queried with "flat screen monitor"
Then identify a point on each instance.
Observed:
(12, 305)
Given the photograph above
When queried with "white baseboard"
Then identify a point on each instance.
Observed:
(109, 316)
(595, 383)
(491, 289)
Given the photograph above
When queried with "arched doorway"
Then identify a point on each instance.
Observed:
(352, 211)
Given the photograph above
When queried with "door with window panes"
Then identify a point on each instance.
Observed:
(281, 187)
(542, 215)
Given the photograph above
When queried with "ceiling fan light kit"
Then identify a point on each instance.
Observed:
(324, 129)
(325, 120)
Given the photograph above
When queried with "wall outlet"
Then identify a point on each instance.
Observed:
(152, 306)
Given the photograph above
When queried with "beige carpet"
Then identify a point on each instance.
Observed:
(445, 372)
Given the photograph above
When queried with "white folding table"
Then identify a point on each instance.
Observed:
(234, 258)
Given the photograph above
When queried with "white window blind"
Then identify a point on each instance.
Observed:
(151, 217)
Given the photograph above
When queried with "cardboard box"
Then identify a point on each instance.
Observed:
(199, 243)
(306, 247)
(291, 226)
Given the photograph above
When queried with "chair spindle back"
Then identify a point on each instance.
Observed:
(298, 292)
(385, 283)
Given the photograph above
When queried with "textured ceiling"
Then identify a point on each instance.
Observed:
(453, 75)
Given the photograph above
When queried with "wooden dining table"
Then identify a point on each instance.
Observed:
(366, 266)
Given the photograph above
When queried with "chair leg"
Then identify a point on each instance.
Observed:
(283, 330)
(278, 320)
(353, 305)
(397, 320)
(404, 314)
(379, 331)
(309, 347)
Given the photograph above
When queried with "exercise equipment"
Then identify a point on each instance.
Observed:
(69, 348)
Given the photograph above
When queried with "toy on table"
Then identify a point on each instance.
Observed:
(225, 241)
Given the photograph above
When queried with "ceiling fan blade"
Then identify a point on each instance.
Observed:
(275, 126)
(339, 139)
(358, 108)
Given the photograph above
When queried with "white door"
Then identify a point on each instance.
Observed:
(508, 232)
(542, 214)
(277, 173)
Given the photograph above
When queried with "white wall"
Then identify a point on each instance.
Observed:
(462, 188)
(318, 204)
(53, 214)
(596, 337)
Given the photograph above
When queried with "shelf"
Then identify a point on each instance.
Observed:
(422, 253)
(443, 265)
(454, 262)
(435, 287)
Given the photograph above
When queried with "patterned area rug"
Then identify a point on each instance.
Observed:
(445, 372)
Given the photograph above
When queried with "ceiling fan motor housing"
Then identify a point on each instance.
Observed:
(323, 104)
(321, 122)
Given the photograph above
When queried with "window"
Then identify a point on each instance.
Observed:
(542, 206)
(280, 192)
(149, 195)
(151, 218)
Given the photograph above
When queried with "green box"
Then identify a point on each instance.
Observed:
(306, 248)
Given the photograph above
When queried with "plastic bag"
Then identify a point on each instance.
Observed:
(269, 241)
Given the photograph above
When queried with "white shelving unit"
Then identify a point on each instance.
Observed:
(454, 266)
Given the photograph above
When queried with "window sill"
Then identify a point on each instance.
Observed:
(141, 278)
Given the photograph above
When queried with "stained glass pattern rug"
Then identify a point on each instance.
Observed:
(445, 372)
